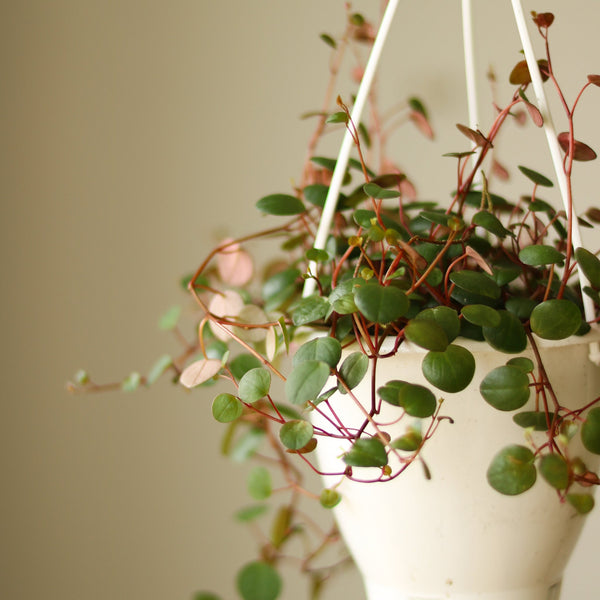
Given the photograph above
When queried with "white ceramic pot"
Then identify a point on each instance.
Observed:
(453, 536)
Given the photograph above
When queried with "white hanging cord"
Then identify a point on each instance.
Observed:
(468, 46)
(555, 153)
(344, 154)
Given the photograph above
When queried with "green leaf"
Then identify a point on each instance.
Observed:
(539, 255)
(409, 442)
(205, 596)
(590, 265)
(381, 304)
(533, 418)
(243, 363)
(158, 368)
(319, 256)
(505, 388)
(309, 310)
(81, 377)
(316, 194)
(247, 445)
(259, 581)
(474, 281)
(375, 191)
(366, 452)
(536, 177)
(590, 431)
(259, 483)
(512, 471)
(555, 471)
(131, 382)
(481, 315)
(250, 513)
(509, 336)
(582, 503)
(306, 381)
(169, 320)
(417, 105)
(281, 205)
(417, 400)
(294, 435)
(280, 287)
(325, 349)
(330, 498)
(445, 317)
(451, 370)
(491, 223)
(520, 307)
(555, 319)
(427, 334)
(522, 362)
(352, 370)
(227, 408)
(337, 117)
(254, 385)
(328, 40)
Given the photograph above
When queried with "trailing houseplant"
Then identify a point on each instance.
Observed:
(396, 272)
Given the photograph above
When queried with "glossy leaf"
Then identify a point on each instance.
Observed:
(316, 194)
(522, 362)
(254, 385)
(534, 419)
(381, 304)
(555, 319)
(259, 483)
(427, 334)
(555, 471)
(366, 452)
(309, 310)
(305, 382)
(259, 581)
(512, 471)
(281, 205)
(590, 265)
(294, 435)
(450, 371)
(353, 370)
(481, 315)
(590, 431)
(491, 223)
(476, 282)
(445, 317)
(200, 371)
(330, 498)
(325, 349)
(536, 177)
(505, 388)
(539, 255)
(509, 336)
(227, 408)
(520, 74)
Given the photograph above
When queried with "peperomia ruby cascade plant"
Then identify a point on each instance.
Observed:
(394, 269)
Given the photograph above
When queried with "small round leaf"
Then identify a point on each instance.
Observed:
(445, 317)
(474, 281)
(254, 385)
(451, 370)
(555, 319)
(582, 503)
(427, 334)
(509, 336)
(325, 349)
(353, 369)
(535, 419)
(381, 304)
(366, 452)
(294, 435)
(330, 498)
(227, 408)
(590, 431)
(555, 471)
(590, 265)
(505, 388)
(539, 255)
(280, 204)
(306, 381)
(259, 581)
(259, 483)
(481, 315)
(512, 471)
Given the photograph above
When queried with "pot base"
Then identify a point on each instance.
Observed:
(375, 591)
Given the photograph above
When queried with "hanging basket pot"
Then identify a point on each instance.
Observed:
(439, 530)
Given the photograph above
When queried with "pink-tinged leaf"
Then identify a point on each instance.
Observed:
(200, 371)
(543, 19)
(234, 264)
(422, 124)
(408, 190)
(535, 114)
(358, 73)
(520, 74)
(227, 305)
(479, 260)
(499, 170)
(595, 79)
(475, 136)
(413, 256)
(581, 151)
(363, 33)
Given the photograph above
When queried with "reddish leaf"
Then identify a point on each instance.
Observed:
(234, 264)
(593, 214)
(543, 19)
(422, 124)
(595, 79)
(200, 371)
(475, 136)
(520, 74)
(581, 151)
(499, 170)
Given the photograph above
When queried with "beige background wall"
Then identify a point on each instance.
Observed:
(133, 133)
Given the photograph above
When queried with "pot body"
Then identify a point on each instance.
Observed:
(453, 536)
